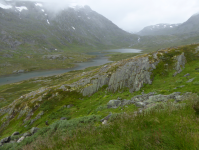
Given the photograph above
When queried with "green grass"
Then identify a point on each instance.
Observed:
(165, 127)
(120, 56)
(36, 62)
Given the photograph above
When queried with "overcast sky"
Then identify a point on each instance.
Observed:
(133, 15)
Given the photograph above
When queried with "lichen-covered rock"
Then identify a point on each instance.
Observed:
(190, 80)
(21, 139)
(6, 140)
(63, 88)
(27, 134)
(114, 104)
(186, 75)
(180, 63)
(127, 102)
(140, 104)
(34, 130)
(106, 118)
(15, 133)
(157, 98)
(131, 73)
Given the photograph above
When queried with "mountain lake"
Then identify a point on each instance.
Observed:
(100, 59)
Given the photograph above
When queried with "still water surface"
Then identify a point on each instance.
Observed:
(99, 60)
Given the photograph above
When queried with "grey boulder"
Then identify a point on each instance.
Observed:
(63, 118)
(140, 104)
(114, 104)
(15, 133)
(27, 134)
(5, 140)
(34, 130)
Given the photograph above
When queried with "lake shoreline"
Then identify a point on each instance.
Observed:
(100, 59)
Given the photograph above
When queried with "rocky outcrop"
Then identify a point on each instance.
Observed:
(146, 100)
(131, 73)
(180, 63)
(114, 104)
(58, 56)
(190, 80)
(17, 138)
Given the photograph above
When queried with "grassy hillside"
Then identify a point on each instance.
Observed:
(168, 125)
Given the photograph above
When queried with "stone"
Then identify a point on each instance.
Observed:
(140, 104)
(15, 71)
(186, 75)
(140, 111)
(180, 63)
(69, 106)
(63, 88)
(63, 118)
(21, 71)
(114, 104)
(6, 140)
(119, 98)
(127, 102)
(104, 122)
(21, 139)
(179, 98)
(182, 86)
(173, 95)
(106, 118)
(47, 123)
(190, 80)
(157, 98)
(34, 130)
(27, 134)
(15, 133)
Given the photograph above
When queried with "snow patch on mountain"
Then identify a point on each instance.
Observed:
(75, 6)
(48, 22)
(5, 6)
(39, 4)
(139, 39)
(21, 8)
(73, 28)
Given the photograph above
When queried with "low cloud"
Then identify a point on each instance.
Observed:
(133, 15)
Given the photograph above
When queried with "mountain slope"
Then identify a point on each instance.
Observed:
(32, 24)
(30, 31)
(158, 29)
(188, 27)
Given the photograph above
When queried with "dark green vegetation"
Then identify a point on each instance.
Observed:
(166, 126)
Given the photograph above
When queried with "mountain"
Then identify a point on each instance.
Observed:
(33, 25)
(37, 36)
(158, 29)
(191, 26)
